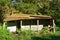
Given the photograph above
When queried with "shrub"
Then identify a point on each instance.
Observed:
(29, 35)
(26, 34)
(5, 34)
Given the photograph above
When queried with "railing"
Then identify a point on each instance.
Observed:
(32, 27)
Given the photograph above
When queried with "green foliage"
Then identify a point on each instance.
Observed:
(45, 7)
(26, 7)
(29, 35)
(5, 34)
(32, 35)
(5, 3)
(57, 27)
(26, 34)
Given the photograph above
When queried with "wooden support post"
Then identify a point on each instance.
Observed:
(37, 25)
(21, 23)
(4, 25)
(30, 22)
(53, 26)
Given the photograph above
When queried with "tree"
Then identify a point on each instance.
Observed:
(45, 7)
(4, 4)
(51, 8)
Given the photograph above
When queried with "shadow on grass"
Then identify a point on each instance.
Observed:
(47, 38)
(39, 38)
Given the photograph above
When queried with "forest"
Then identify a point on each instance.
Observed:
(38, 7)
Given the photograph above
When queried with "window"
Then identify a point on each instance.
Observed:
(29, 22)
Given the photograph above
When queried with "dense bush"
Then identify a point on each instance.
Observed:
(5, 34)
(29, 35)
(32, 35)
(57, 27)
(25, 34)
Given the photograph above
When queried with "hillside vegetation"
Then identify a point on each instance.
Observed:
(38, 7)
(28, 35)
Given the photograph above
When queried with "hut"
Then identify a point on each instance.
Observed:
(27, 22)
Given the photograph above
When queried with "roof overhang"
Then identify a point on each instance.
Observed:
(10, 18)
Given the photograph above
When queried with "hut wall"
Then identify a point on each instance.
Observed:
(31, 25)
(11, 26)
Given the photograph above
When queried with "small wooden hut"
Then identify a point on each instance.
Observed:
(28, 22)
